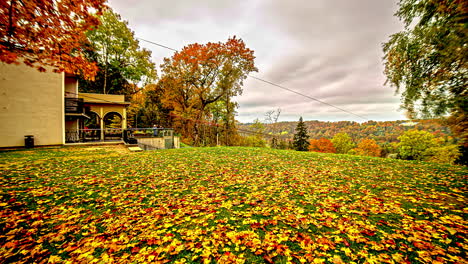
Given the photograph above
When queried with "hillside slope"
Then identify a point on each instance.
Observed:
(380, 131)
(228, 205)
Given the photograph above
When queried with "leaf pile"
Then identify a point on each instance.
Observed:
(228, 205)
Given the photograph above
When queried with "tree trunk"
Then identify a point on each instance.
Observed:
(228, 115)
(106, 58)
(105, 79)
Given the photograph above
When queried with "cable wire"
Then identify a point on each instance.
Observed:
(307, 96)
(160, 45)
(276, 85)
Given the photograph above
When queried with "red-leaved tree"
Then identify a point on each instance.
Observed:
(43, 33)
(323, 145)
(368, 147)
(202, 79)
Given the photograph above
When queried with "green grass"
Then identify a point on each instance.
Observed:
(228, 205)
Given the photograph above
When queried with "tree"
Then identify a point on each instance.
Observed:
(121, 60)
(272, 116)
(48, 33)
(146, 108)
(116, 83)
(201, 75)
(342, 143)
(367, 147)
(254, 138)
(300, 141)
(387, 149)
(444, 154)
(323, 145)
(414, 144)
(428, 60)
(137, 103)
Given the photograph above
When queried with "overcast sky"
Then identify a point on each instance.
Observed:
(327, 49)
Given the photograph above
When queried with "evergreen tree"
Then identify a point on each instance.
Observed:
(301, 139)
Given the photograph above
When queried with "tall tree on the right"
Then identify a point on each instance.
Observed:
(427, 61)
(301, 138)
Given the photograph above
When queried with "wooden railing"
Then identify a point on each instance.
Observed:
(90, 135)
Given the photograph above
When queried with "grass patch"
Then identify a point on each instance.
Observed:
(228, 205)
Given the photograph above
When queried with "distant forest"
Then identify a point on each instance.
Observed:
(380, 131)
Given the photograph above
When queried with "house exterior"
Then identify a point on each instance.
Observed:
(92, 116)
(47, 106)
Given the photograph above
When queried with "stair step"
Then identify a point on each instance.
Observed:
(135, 149)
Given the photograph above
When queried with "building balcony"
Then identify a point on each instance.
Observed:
(74, 106)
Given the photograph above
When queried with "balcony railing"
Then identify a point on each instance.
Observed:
(150, 132)
(74, 105)
(116, 134)
(91, 135)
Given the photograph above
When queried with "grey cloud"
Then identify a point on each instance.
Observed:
(152, 12)
(327, 49)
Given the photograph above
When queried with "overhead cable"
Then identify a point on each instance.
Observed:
(276, 85)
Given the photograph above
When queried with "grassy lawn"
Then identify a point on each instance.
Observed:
(228, 205)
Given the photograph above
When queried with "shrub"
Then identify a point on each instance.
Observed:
(342, 143)
(446, 154)
(322, 145)
(414, 144)
(368, 147)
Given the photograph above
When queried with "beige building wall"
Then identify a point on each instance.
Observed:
(31, 103)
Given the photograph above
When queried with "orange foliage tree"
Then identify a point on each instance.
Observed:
(201, 75)
(323, 145)
(43, 33)
(368, 147)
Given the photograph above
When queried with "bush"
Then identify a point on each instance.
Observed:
(367, 147)
(414, 144)
(446, 154)
(322, 145)
(253, 141)
(342, 143)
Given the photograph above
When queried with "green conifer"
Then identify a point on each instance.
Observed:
(301, 138)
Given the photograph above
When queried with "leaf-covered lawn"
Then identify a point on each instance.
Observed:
(228, 205)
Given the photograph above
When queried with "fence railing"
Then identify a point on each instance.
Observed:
(90, 135)
(150, 132)
(114, 134)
